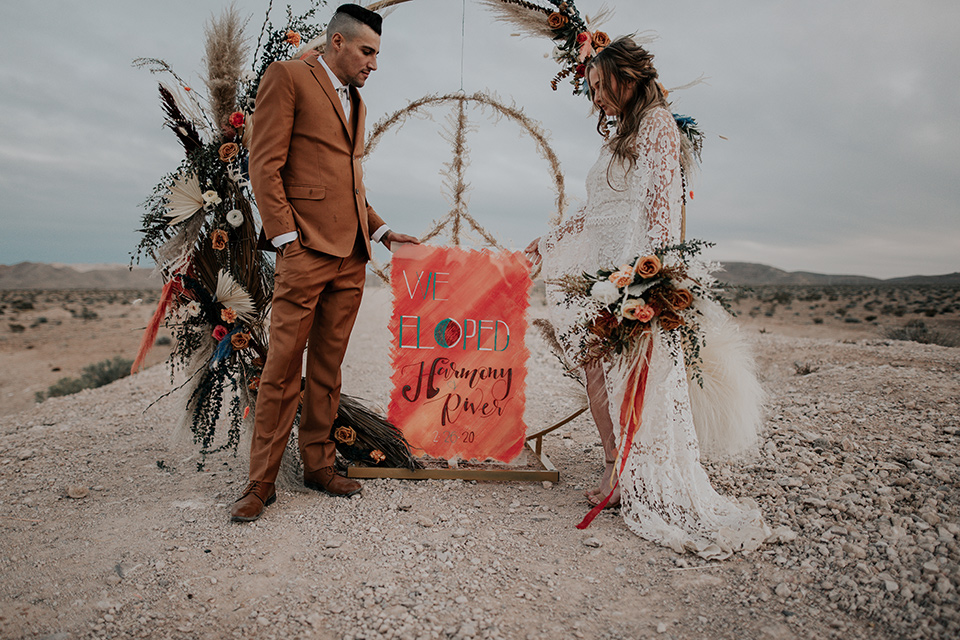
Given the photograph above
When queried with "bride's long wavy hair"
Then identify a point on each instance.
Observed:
(625, 63)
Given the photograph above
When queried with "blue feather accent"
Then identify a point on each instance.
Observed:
(224, 349)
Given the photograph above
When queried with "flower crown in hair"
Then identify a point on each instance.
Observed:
(576, 44)
(575, 41)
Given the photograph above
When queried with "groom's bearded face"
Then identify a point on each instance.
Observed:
(356, 57)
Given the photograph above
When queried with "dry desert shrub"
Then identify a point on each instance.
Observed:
(918, 331)
(93, 376)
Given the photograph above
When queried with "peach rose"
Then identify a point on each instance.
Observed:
(240, 341)
(621, 278)
(254, 383)
(637, 310)
(377, 456)
(647, 266)
(218, 239)
(293, 38)
(228, 315)
(229, 151)
(346, 435)
(670, 321)
(600, 40)
(557, 20)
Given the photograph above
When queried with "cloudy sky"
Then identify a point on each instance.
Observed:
(840, 122)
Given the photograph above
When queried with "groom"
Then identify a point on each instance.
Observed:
(308, 181)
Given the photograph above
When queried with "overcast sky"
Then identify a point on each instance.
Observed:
(841, 123)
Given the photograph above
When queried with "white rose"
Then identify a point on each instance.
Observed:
(211, 198)
(234, 217)
(605, 292)
(193, 308)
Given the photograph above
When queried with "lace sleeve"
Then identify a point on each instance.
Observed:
(659, 142)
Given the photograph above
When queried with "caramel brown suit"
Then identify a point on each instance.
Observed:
(307, 177)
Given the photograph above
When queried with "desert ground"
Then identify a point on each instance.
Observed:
(110, 531)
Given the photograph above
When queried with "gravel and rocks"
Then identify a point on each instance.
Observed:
(110, 531)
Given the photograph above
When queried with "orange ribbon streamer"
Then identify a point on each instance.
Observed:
(631, 414)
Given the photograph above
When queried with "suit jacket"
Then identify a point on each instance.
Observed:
(305, 160)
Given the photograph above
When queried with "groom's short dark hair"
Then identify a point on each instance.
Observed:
(364, 15)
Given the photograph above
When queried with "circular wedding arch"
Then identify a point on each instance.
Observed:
(458, 214)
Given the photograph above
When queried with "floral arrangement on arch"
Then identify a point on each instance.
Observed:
(621, 305)
(576, 37)
(200, 227)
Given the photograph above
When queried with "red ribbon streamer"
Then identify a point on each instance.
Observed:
(150, 333)
(631, 413)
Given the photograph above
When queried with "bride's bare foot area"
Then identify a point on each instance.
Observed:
(596, 496)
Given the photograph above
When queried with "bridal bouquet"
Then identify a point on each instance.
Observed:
(621, 305)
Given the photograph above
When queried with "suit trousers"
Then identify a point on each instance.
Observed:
(315, 302)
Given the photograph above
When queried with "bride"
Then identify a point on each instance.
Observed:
(634, 200)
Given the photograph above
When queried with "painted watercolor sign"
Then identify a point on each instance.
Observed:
(458, 349)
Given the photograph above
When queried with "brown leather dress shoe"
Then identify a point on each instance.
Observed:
(329, 481)
(256, 497)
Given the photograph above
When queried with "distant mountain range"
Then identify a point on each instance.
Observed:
(37, 275)
(752, 274)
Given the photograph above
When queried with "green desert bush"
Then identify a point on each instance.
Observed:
(93, 376)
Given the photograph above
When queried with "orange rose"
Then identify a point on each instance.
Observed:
(670, 321)
(679, 299)
(228, 315)
(229, 151)
(293, 38)
(240, 341)
(621, 278)
(647, 266)
(218, 239)
(557, 20)
(377, 456)
(600, 40)
(637, 310)
(346, 435)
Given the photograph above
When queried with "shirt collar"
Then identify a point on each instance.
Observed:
(333, 77)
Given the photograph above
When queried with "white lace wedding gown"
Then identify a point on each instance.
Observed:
(666, 495)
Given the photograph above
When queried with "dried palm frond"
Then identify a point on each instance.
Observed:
(189, 107)
(373, 433)
(174, 255)
(231, 294)
(184, 199)
(225, 53)
(178, 122)
(529, 18)
(196, 112)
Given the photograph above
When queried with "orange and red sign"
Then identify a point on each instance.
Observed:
(458, 349)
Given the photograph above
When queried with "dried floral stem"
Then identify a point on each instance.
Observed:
(263, 29)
